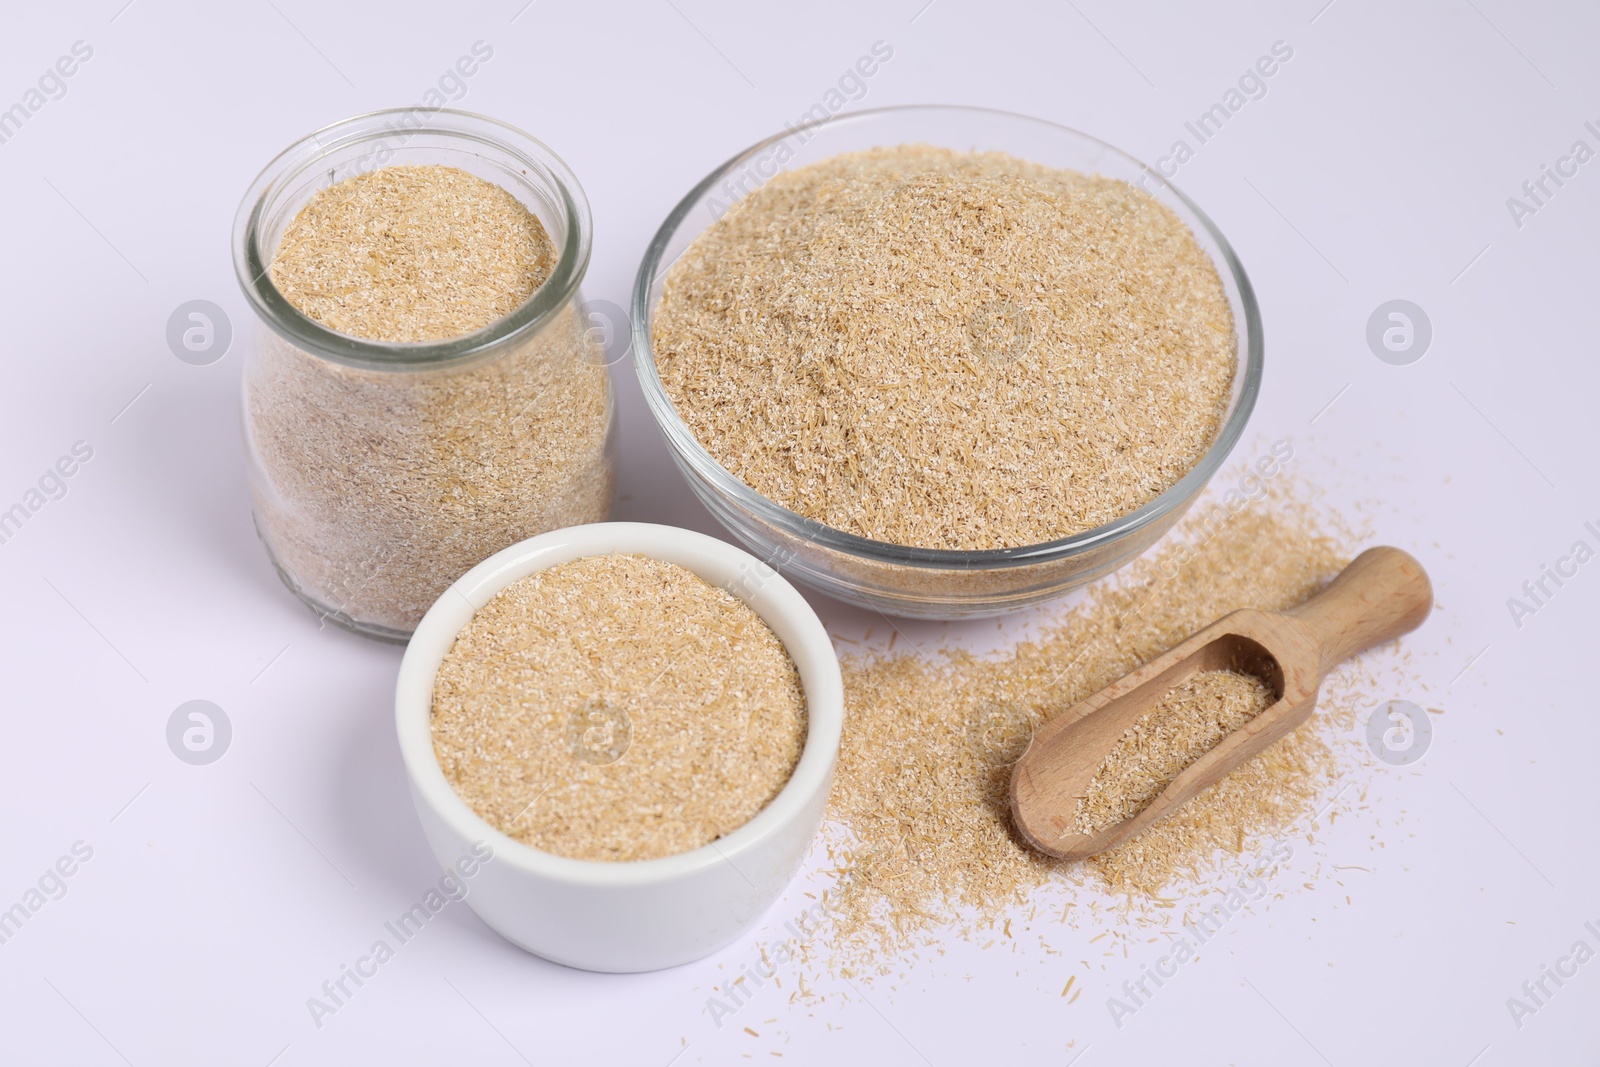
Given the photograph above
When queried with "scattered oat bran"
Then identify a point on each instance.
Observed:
(1186, 723)
(376, 488)
(919, 829)
(617, 708)
(949, 350)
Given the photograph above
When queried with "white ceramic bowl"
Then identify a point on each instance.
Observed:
(645, 914)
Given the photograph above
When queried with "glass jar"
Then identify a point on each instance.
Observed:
(381, 472)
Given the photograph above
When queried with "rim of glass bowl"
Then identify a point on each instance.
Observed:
(507, 145)
(775, 514)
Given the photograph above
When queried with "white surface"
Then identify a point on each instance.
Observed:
(627, 916)
(219, 898)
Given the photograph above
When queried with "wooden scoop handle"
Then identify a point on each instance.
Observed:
(1382, 594)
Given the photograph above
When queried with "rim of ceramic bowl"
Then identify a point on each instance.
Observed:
(683, 441)
(808, 645)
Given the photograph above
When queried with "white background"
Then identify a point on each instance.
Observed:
(219, 898)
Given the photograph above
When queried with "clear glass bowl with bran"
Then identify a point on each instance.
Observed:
(915, 530)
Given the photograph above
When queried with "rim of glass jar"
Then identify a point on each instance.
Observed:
(706, 466)
(251, 261)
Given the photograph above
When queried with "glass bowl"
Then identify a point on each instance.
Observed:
(898, 579)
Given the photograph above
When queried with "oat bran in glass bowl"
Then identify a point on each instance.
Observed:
(930, 302)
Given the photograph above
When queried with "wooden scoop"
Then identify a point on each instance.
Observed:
(1382, 594)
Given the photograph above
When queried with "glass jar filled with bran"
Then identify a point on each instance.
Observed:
(422, 387)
